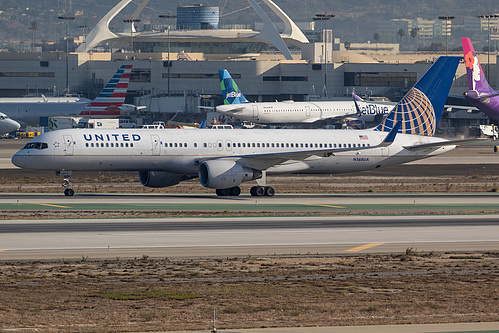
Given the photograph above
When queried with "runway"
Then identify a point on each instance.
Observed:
(194, 237)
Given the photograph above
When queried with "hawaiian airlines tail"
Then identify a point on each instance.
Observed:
(230, 90)
(480, 94)
(111, 99)
(421, 108)
(476, 77)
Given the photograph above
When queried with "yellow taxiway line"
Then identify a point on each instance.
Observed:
(363, 247)
(51, 205)
(330, 206)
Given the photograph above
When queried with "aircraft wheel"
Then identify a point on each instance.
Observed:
(234, 191)
(222, 192)
(257, 191)
(269, 191)
(495, 149)
(69, 192)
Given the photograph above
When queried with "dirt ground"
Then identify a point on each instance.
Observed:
(146, 294)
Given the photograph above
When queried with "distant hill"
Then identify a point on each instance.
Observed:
(356, 20)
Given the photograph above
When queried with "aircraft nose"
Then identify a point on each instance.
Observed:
(19, 160)
(13, 126)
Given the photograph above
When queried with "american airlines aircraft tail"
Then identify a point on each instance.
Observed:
(480, 94)
(222, 159)
(112, 97)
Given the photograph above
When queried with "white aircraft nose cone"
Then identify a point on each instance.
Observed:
(13, 126)
(19, 160)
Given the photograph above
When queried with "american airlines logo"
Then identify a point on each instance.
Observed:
(233, 94)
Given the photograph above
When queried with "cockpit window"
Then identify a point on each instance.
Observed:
(3, 117)
(36, 145)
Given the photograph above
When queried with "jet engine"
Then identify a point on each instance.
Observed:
(159, 179)
(221, 174)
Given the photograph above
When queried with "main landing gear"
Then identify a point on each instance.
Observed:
(260, 191)
(226, 192)
(68, 187)
(256, 191)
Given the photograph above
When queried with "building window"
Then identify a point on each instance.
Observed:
(140, 75)
(375, 79)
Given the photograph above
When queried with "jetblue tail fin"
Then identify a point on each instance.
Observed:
(112, 97)
(474, 72)
(421, 108)
(230, 90)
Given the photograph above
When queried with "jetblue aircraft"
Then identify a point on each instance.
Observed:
(237, 106)
(480, 94)
(223, 159)
(7, 125)
(109, 103)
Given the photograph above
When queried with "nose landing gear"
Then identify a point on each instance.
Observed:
(68, 191)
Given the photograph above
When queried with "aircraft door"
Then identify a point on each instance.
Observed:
(68, 145)
(255, 111)
(156, 145)
(307, 111)
(229, 145)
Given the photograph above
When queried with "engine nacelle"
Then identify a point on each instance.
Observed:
(221, 174)
(159, 179)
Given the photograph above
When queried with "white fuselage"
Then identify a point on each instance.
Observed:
(29, 110)
(7, 125)
(181, 151)
(301, 112)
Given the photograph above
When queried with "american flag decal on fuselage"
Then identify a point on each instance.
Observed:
(112, 97)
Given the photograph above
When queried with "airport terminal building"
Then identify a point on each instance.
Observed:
(175, 69)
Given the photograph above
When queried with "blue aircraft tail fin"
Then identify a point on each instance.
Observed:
(421, 108)
(230, 90)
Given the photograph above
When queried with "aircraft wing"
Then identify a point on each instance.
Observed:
(233, 108)
(265, 161)
(441, 144)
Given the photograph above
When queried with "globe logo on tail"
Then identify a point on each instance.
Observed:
(416, 113)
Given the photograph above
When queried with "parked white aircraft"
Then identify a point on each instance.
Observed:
(7, 125)
(237, 106)
(37, 110)
(223, 159)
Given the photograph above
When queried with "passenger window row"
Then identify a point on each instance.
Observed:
(109, 144)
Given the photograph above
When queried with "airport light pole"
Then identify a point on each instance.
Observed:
(447, 20)
(33, 27)
(488, 17)
(67, 18)
(132, 22)
(169, 17)
(324, 17)
(83, 31)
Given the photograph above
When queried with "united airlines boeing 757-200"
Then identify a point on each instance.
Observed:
(223, 159)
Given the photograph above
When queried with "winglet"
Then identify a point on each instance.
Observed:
(203, 124)
(359, 112)
(390, 138)
(356, 97)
